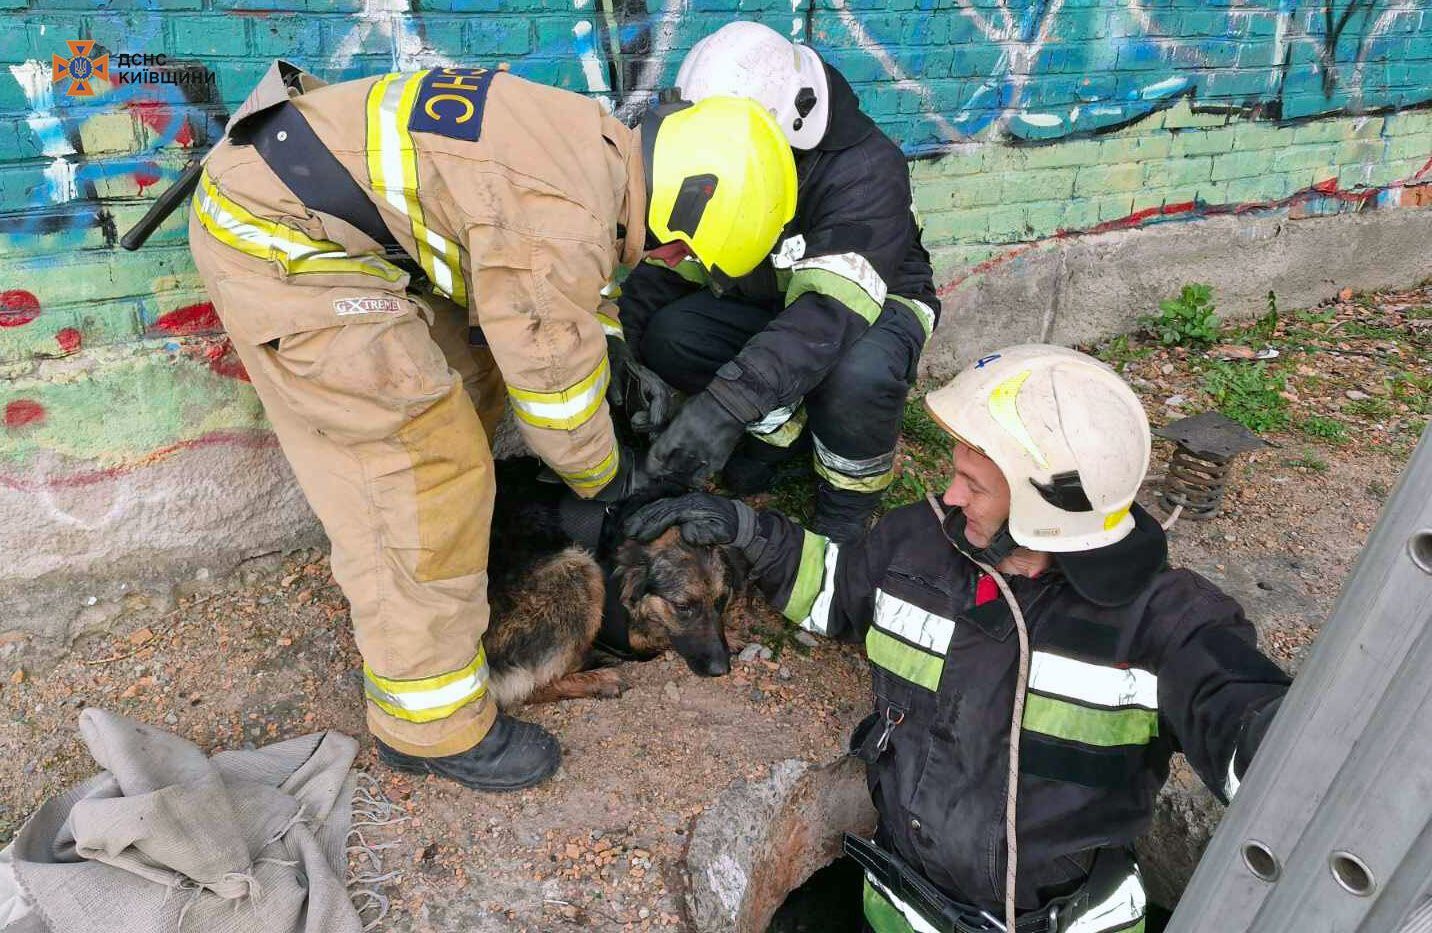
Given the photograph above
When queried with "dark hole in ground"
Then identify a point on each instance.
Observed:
(829, 902)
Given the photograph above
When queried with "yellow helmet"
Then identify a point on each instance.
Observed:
(721, 178)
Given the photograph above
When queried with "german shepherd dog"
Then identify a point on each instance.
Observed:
(550, 596)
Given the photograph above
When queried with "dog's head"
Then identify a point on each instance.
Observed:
(675, 596)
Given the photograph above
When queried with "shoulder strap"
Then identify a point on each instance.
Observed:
(293, 152)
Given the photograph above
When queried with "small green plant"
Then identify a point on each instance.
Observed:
(1249, 395)
(1317, 315)
(1378, 488)
(1309, 461)
(1267, 324)
(1373, 409)
(1120, 352)
(780, 637)
(1191, 319)
(1328, 429)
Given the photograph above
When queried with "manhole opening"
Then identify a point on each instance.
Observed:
(1352, 873)
(1420, 547)
(828, 901)
(1261, 861)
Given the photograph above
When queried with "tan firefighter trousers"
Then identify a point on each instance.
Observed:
(385, 415)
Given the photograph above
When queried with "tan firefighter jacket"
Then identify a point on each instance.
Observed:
(510, 195)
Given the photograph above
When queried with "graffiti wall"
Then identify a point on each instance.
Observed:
(1027, 122)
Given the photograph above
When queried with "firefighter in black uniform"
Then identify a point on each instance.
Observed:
(826, 333)
(1034, 584)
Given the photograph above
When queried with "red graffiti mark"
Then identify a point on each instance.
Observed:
(251, 440)
(69, 339)
(185, 136)
(1327, 188)
(144, 177)
(23, 412)
(190, 319)
(152, 113)
(18, 307)
(225, 362)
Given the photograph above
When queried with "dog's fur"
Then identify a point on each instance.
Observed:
(547, 596)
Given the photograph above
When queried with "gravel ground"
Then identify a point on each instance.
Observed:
(269, 655)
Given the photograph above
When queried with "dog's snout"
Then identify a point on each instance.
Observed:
(715, 665)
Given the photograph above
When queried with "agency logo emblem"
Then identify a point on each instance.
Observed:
(80, 69)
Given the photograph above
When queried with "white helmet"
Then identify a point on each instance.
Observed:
(1069, 435)
(745, 59)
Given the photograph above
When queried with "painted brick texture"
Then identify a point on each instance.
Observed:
(1025, 122)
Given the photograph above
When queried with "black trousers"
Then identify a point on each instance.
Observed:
(853, 416)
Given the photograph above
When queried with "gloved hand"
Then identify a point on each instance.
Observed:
(697, 444)
(626, 481)
(705, 520)
(641, 393)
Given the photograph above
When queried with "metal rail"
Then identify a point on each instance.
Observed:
(1331, 831)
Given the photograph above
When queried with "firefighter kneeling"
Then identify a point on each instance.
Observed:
(1036, 559)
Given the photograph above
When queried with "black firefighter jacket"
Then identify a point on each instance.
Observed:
(853, 246)
(1113, 692)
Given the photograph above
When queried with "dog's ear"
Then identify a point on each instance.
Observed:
(633, 569)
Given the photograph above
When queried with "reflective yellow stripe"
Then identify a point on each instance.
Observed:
(393, 171)
(922, 313)
(785, 435)
(236, 227)
(809, 576)
(1004, 409)
(565, 409)
(596, 477)
(428, 698)
(610, 326)
(689, 269)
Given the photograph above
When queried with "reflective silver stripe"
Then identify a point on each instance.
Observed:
(912, 916)
(819, 619)
(1231, 785)
(1092, 683)
(917, 626)
(871, 466)
(418, 701)
(773, 420)
(790, 250)
(1122, 908)
(852, 266)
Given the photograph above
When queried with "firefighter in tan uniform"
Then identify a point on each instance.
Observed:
(394, 257)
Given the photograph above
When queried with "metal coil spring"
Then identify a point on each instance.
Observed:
(1196, 483)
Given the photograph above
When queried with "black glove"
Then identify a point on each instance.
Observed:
(697, 444)
(645, 397)
(626, 481)
(705, 520)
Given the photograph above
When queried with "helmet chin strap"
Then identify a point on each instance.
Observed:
(1000, 545)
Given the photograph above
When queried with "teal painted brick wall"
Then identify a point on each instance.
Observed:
(1024, 121)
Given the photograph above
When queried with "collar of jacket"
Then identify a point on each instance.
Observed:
(279, 84)
(1114, 575)
(632, 216)
(848, 123)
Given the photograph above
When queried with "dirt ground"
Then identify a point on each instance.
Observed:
(269, 655)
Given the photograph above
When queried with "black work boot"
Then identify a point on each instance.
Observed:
(842, 515)
(514, 754)
(753, 465)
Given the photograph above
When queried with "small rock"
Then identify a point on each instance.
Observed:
(783, 673)
(1355, 395)
(752, 651)
(172, 719)
(1166, 369)
(285, 641)
(807, 639)
(672, 692)
(289, 580)
(18, 677)
(141, 636)
(1173, 401)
